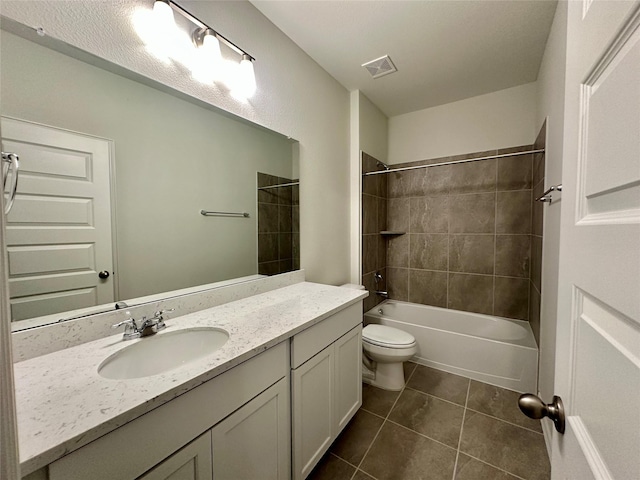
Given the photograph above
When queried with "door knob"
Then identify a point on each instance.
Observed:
(533, 407)
(103, 274)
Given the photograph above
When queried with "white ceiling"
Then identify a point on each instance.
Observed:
(444, 50)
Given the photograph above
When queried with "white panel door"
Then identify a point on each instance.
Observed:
(59, 230)
(598, 336)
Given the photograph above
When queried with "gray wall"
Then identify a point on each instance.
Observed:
(172, 157)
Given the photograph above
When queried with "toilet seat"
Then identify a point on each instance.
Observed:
(388, 337)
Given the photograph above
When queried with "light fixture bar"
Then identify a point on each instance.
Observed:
(203, 25)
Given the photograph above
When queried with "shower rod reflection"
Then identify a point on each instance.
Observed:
(290, 184)
(454, 162)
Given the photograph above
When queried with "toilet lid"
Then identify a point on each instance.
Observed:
(386, 336)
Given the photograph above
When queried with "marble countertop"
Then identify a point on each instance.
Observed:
(63, 404)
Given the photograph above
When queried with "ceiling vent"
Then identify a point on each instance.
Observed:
(380, 67)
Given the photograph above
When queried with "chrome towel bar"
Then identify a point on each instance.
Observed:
(545, 197)
(206, 213)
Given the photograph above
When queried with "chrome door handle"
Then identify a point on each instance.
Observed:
(13, 165)
(533, 407)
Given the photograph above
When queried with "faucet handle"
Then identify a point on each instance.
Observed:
(130, 326)
(159, 316)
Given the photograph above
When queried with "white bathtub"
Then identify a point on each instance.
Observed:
(493, 350)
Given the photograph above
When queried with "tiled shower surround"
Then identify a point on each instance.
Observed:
(278, 226)
(468, 235)
(374, 220)
(535, 276)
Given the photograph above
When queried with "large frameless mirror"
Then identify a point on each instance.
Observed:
(130, 191)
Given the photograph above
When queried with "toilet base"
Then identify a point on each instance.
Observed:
(388, 376)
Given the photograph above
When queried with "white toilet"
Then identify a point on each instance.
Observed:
(385, 349)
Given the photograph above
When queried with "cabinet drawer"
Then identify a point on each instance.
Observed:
(314, 339)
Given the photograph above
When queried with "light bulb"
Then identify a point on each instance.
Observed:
(211, 48)
(245, 83)
(163, 16)
(208, 60)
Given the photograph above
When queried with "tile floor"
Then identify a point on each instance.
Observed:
(441, 426)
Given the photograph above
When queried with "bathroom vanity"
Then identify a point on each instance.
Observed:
(267, 404)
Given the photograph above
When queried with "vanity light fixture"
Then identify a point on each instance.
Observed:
(206, 62)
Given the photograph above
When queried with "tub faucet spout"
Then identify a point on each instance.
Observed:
(382, 293)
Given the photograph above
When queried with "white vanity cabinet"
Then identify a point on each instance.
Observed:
(252, 442)
(271, 417)
(192, 462)
(160, 444)
(326, 385)
(255, 441)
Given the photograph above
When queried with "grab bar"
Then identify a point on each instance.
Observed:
(12, 164)
(545, 197)
(224, 214)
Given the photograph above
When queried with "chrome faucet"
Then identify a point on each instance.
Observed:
(378, 278)
(149, 326)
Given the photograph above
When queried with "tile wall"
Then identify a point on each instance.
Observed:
(374, 220)
(535, 276)
(278, 226)
(468, 237)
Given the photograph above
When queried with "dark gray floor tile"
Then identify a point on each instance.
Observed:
(500, 403)
(378, 401)
(514, 449)
(429, 416)
(471, 469)
(408, 368)
(399, 454)
(331, 467)
(355, 439)
(360, 475)
(440, 384)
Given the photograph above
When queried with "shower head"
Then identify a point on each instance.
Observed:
(383, 165)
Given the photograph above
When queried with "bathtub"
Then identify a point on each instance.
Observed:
(493, 350)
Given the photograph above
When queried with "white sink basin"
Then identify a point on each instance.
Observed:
(161, 353)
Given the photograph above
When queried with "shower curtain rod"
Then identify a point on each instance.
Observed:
(454, 162)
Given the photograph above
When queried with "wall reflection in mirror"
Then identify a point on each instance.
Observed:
(114, 176)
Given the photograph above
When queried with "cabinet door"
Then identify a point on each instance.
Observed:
(254, 441)
(348, 377)
(192, 462)
(312, 411)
